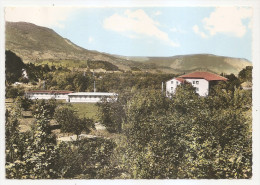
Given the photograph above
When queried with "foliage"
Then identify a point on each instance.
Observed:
(188, 137)
(135, 69)
(68, 81)
(233, 82)
(36, 150)
(96, 154)
(102, 64)
(36, 72)
(48, 105)
(87, 159)
(13, 67)
(154, 137)
(39, 155)
(13, 92)
(11, 134)
(16, 144)
(245, 75)
(111, 82)
(111, 114)
(24, 102)
(68, 161)
(70, 122)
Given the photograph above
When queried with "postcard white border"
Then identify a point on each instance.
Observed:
(142, 3)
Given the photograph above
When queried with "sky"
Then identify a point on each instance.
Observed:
(148, 31)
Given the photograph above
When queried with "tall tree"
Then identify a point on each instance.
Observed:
(70, 122)
(13, 67)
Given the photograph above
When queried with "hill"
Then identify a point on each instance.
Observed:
(37, 44)
(200, 62)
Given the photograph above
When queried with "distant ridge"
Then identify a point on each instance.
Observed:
(36, 43)
(33, 42)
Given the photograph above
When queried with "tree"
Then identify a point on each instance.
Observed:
(13, 92)
(11, 134)
(68, 161)
(80, 82)
(245, 75)
(13, 67)
(189, 138)
(232, 83)
(112, 114)
(70, 122)
(40, 154)
(49, 107)
(24, 102)
(36, 149)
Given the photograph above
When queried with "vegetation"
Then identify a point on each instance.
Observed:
(13, 92)
(102, 64)
(87, 110)
(70, 122)
(33, 155)
(13, 67)
(111, 114)
(245, 75)
(149, 135)
(37, 155)
(187, 137)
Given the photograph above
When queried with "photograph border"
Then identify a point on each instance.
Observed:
(255, 4)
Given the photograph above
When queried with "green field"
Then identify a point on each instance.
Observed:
(88, 110)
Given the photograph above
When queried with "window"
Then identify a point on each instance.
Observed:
(197, 89)
(171, 82)
(193, 82)
(171, 88)
(197, 82)
(177, 83)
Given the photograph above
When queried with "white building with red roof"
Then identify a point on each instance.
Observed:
(70, 96)
(200, 80)
(48, 94)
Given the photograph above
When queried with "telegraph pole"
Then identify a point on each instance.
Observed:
(162, 88)
(43, 85)
(94, 81)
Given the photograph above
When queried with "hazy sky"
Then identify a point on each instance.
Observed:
(153, 31)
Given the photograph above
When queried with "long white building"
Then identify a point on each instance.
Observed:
(91, 97)
(47, 94)
(70, 96)
(200, 80)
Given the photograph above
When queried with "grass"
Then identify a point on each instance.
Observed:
(88, 110)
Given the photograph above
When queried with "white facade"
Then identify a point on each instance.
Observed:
(69, 96)
(90, 97)
(171, 86)
(201, 85)
(33, 95)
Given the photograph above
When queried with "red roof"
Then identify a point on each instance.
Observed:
(205, 75)
(180, 79)
(50, 91)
